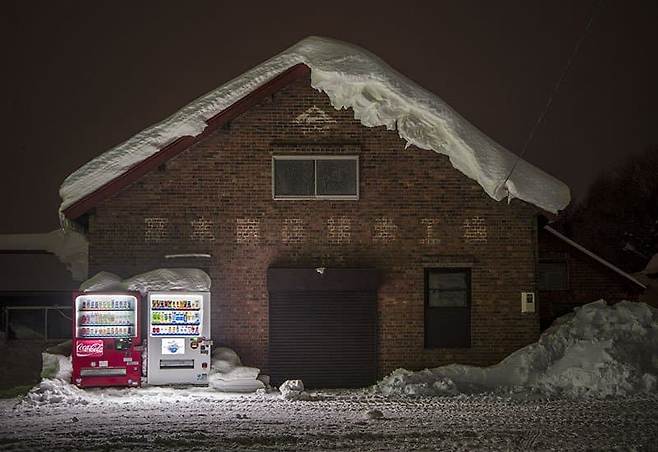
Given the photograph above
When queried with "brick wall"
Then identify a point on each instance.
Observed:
(414, 211)
(588, 280)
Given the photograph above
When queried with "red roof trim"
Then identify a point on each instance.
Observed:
(174, 148)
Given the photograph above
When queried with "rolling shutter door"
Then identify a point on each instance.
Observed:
(323, 328)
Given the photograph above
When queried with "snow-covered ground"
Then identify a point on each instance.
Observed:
(588, 383)
(154, 419)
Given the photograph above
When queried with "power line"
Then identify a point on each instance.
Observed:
(556, 88)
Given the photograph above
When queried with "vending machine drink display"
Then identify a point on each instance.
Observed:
(106, 339)
(179, 338)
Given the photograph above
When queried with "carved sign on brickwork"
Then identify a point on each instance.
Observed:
(202, 230)
(430, 237)
(293, 231)
(314, 120)
(247, 230)
(384, 230)
(339, 230)
(155, 229)
(475, 230)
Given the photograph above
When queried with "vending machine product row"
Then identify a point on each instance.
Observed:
(106, 339)
(179, 338)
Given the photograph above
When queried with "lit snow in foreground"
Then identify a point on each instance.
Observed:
(200, 419)
(379, 96)
(598, 351)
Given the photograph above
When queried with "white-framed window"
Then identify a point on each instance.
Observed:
(315, 177)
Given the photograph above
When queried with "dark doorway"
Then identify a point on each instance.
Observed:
(323, 326)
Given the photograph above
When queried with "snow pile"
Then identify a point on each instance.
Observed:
(191, 279)
(55, 386)
(292, 389)
(54, 391)
(227, 374)
(379, 96)
(597, 351)
(422, 383)
(70, 247)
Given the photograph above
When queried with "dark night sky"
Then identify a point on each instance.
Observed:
(81, 77)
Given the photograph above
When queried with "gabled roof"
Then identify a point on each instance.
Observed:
(352, 78)
(94, 191)
(594, 256)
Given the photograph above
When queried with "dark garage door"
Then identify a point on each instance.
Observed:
(323, 327)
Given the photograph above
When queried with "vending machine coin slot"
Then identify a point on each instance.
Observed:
(176, 364)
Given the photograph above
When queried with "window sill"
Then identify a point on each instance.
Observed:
(316, 198)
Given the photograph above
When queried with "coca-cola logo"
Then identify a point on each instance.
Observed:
(89, 348)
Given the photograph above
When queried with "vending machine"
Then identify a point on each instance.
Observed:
(179, 338)
(106, 339)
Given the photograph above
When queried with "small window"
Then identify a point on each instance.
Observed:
(326, 177)
(447, 307)
(552, 276)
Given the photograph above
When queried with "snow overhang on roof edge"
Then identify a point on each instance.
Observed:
(379, 96)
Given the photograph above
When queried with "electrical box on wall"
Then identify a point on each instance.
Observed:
(528, 302)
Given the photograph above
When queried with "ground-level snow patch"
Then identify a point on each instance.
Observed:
(227, 374)
(292, 389)
(598, 351)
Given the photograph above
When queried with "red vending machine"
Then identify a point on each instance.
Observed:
(107, 340)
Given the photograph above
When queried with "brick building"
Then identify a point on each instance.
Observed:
(332, 249)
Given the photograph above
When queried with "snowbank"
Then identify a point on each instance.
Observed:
(227, 374)
(597, 351)
(70, 247)
(191, 279)
(379, 96)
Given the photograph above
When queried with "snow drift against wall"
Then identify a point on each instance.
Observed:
(597, 351)
(379, 96)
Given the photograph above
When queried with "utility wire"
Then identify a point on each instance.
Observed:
(556, 88)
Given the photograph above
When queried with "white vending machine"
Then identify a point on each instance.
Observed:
(179, 338)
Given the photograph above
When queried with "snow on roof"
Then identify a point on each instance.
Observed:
(594, 256)
(70, 247)
(352, 78)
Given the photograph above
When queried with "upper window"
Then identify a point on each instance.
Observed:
(552, 276)
(316, 177)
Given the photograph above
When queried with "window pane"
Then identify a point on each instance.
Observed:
(337, 177)
(447, 281)
(293, 177)
(447, 298)
(552, 276)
